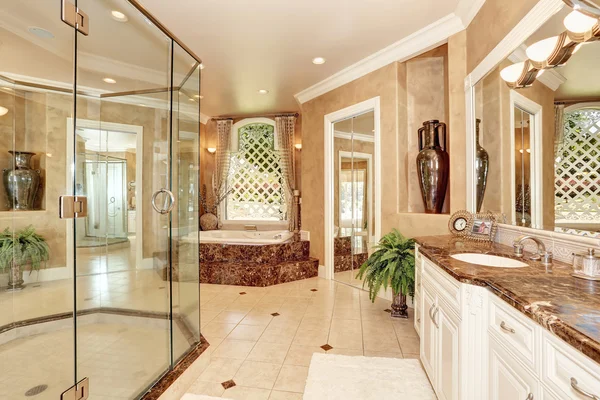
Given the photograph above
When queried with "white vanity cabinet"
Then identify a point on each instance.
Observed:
(439, 331)
(475, 346)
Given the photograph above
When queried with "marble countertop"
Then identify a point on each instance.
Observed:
(566, 306)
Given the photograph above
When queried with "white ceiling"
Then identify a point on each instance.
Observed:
(269, 44)
(245, 45)
(107, 141)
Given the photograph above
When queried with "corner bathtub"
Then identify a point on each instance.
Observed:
(245, 237)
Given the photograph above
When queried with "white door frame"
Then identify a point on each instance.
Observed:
(536, 165)
(372, 104)
(369, 158)
(139, 165)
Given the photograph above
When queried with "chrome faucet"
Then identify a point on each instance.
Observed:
(545, 257)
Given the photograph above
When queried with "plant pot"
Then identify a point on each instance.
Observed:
(399, 307)
(15, 277)
(209, 222)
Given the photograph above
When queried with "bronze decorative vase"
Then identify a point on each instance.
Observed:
(399, 307)
(22, 182)
(482, 163)
(433, 165)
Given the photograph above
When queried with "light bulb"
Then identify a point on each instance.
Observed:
(3, 111)
(577, 22)
(543, 49)
(512, 73)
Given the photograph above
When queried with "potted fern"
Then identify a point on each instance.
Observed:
(19, 249)
(392, 264)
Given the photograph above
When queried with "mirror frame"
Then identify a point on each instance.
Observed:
(373, 105)
(534, 20)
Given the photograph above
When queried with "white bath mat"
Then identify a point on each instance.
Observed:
(333, 377)
(189, 396)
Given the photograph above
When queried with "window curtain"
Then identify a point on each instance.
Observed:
(222, 157)
(285, 127)
(559, 126)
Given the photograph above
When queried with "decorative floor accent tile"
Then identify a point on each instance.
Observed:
(228, 384)
(326, 347)
(387, 310)
(313, 290)
(242, 293)
(275, 314)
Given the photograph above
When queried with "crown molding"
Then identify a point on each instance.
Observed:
(466, 10)
(417, 43)
(551, 77)
(354, 136)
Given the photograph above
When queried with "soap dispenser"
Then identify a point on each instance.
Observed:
(587, 266)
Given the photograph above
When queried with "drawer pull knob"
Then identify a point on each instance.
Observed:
(575, 386)
(530, 397)
(506, 328)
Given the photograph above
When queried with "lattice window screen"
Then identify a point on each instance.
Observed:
(255, 177)
(577, 168)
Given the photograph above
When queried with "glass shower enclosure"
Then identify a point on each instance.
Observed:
(99, 269)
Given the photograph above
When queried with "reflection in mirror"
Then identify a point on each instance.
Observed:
(537, 159)
(354, 223)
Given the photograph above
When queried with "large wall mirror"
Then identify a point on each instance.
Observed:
(352, 189)
(536, 129)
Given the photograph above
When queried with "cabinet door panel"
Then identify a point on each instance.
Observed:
(448, 382)
(428, 332)
(508, 379)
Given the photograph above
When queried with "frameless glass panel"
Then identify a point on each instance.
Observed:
(121, 155)
(36, 103)
(185, 162)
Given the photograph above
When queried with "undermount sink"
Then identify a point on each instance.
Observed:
(489, 260)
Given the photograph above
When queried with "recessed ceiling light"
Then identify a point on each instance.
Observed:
(118, 16)
(109, 80)
(263, 91)
(41, 32)
(318, 60)
(3, 111)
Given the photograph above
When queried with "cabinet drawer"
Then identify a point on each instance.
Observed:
(515, 331)
(444, 284)
(562, 364)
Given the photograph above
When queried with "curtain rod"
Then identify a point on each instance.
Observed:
(576, 101)
(255, 116)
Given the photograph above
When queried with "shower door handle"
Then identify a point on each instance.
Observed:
(168, 204)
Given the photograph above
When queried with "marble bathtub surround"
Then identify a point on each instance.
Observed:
(256, 265)
(566, 306)
(343, 259)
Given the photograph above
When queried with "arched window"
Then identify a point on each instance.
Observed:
(255, 177)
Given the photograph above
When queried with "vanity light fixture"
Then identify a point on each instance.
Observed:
(263, 91)
(109, 80)
(318, 60)
(211, 150)
(119, 16)
(519, 75)
(590, 8)
(3, 111)
(551, 52)
(298, 146)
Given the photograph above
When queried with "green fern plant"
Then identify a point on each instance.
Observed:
(21, 248)
(391, 265)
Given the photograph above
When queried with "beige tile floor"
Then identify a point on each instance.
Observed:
(262, 339)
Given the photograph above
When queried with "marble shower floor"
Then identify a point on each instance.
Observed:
(262, 339)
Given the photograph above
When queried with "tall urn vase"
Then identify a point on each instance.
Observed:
(21, 183)
(482, 163)
(433, 165)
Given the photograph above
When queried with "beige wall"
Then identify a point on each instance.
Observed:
(410, 93)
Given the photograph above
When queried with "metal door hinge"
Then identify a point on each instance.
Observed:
(75, 17)
(81, 391)
(72, 207)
